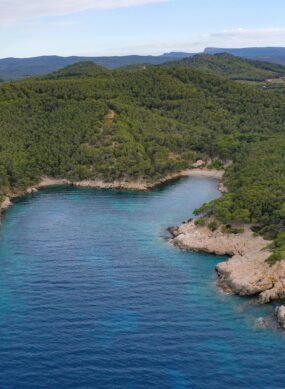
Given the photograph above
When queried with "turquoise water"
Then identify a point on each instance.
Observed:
(93, 296)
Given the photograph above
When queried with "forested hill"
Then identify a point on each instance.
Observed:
(267, 54)
(80, 70)
(89, 122)
(17, 68)
(232, 67)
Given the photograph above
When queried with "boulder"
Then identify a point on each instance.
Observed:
(199, 163)
(280, 313)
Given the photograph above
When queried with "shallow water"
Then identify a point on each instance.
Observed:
(93, 296)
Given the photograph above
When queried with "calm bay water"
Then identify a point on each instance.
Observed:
(92, 296)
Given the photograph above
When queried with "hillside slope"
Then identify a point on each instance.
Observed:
(232, 67)
(88, 122)
(267, 54)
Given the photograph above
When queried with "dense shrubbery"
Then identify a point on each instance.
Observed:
(165, 118)
(278, 248)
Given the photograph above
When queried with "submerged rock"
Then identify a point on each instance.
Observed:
(261, 323)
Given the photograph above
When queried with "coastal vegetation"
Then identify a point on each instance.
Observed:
(256, 183)
(87, 122)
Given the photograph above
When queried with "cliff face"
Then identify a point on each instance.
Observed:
(246, 272)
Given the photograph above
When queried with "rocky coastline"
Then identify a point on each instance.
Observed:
(246, 272)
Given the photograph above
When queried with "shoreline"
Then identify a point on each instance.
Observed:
(246, 272)
(139, 185)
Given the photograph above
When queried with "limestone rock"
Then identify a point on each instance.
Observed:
(6, 203)
(31, 190)
(280, 313)
(199, 163)
(247, 272)
(223, 188)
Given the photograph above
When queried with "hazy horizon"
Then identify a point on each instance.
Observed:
(142, 55)
(141, 27)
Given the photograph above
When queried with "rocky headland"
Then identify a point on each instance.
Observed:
(247, 272)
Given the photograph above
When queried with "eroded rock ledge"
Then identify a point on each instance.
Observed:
(247, 272)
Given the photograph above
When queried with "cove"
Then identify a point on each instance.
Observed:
(93, 296)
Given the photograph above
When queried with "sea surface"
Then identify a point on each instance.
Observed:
(92, 295)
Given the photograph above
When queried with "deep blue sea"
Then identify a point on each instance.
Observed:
(93, 296)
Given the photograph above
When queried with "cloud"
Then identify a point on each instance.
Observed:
(242, 37)
(15, 10)
(234, 38)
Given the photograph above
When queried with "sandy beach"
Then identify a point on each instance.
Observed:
(139, 185)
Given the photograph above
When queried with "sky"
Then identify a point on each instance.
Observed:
(120, 27)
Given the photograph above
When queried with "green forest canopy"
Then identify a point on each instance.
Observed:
(165, 118)
(232, 67)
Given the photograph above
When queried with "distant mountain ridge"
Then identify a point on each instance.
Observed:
(267, 54)
(17, 68)
(232, 67)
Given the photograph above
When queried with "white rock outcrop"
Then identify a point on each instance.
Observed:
(6, 203)
(247, 272)
(280, 314)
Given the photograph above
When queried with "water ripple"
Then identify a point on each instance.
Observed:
(92, 297)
